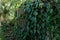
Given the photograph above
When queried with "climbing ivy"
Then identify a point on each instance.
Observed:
(41, 21)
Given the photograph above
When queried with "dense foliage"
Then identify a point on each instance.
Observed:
(40, 21)
(7, 11)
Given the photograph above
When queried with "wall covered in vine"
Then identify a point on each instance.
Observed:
(32, 20)
(40, 21)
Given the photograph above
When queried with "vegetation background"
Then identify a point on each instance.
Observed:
(9, 15)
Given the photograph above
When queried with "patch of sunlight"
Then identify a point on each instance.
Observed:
(0, 38)
(11, 16)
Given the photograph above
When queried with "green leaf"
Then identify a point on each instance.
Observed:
(35, 13)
